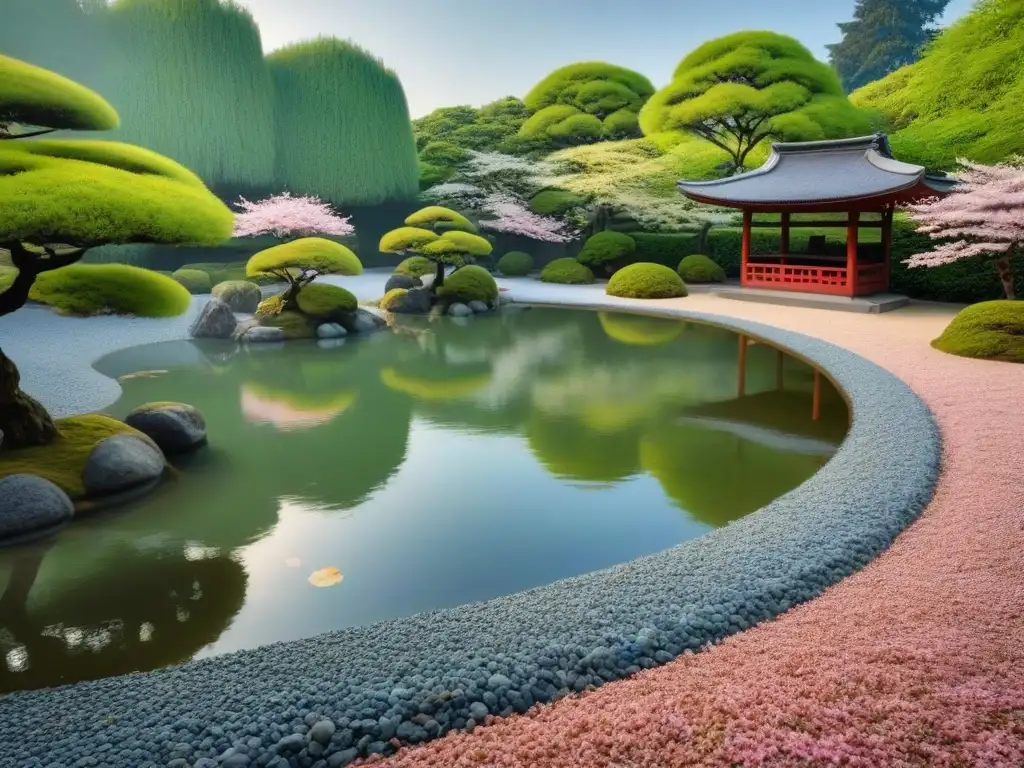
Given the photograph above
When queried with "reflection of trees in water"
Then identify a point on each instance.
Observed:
(135, 611)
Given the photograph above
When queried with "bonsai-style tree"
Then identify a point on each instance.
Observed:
(289, 218)
(456, 246)
(300, 262)
(982, 216)
(61, 197)
(741, 89)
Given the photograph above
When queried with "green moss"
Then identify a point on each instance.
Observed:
(415, 266)
(698, 268)
(515, 264)
(391, 297)
(62, 461)
(606, 249)
(646, 281)
(37, 97)
(193, 280)
(430, 174)
(566, 271)
(316, 253)
(325, 302)
(555, 202)
(433, 215)
(93, 289)
(295, 325)
(993, 330)
(230, 290)
(270, 306)
(470, 283)
(444, 153)
(7, 275)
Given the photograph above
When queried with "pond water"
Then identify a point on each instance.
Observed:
(438, 465)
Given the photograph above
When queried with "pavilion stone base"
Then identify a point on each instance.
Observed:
(874, 304)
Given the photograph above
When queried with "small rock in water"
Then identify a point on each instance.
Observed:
(417, 301)
(29, 503)
(215, 321)
(261, 334)
(479, 307)
(366, 322)
(121, 462)
(459, 310)
(330, 331)
(175, 427)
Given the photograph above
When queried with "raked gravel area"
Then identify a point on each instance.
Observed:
(323, 701)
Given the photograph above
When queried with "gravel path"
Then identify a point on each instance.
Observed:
(917, 660)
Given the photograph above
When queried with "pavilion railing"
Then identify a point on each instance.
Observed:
(796, 278)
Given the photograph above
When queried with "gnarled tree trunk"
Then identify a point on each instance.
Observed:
(438, 276)
(24, 422)
(1004, 266)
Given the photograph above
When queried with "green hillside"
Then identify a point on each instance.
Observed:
(963, 98)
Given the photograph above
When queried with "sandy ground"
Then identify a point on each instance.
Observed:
(918, 660)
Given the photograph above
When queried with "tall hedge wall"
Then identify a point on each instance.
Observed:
(343, 127)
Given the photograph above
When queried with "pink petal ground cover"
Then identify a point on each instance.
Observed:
(917, 660)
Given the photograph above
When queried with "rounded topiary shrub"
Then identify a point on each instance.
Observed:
(324, 302)
(566, 271)
(606, 250)
(415, 266)
(469, 283)
(98, 289)
(515, 264)
(646, 281)
(698, 268)
(993, 330)
(193, 280)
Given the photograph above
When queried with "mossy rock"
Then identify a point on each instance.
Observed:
(239, 295)
(295, 325)
(469, 283)
(193, 280)
(698, 268)
(416, 266)
(103, 289)
(646, 281)
(271, 306)
(62, 461)
(991, 330)
(566, 271)
(391, 298)
(515, 264)
(322, 301)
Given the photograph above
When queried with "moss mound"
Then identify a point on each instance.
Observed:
(646, 281)
(566, 271)
(992, 330)
(193, 280)
(415, 266)
(62, 461)
(391, 297)
(606, 249)
(295, 325)
(469, 283)
(698, 268)
(316, 253)
(96, 289)
(515, 264)
(326, 302)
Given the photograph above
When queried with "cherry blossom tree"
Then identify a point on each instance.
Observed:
(289, 218)
(510, 215)
(983, 215)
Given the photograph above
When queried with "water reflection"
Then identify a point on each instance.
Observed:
(397, 471)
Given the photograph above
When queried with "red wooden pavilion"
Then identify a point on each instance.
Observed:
(850, 176)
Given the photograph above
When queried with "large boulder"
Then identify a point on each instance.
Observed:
(175, 427)
(415, 301)
(29, 504)
(240, 295)
(215, 321)
(120, 463)
(408, 282)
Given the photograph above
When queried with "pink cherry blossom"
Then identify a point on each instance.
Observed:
(286, 216)
(513, 217)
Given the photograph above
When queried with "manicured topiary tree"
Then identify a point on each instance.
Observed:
(585, 102)
(646, 281)
(567, 271)
(738, 90)
(456, 246)
(698, 268)
(62, 197)
(607, 250)
(300, 262)
(515, 264)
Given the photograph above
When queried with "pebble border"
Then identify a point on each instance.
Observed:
(324, 701)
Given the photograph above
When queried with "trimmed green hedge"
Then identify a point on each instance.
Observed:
(698, 268)
(664, 248)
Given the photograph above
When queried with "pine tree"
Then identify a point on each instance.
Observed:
(883, 36)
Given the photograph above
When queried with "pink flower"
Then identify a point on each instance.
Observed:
(286, 216)
(513, 217)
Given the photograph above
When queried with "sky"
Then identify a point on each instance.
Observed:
(450, 52)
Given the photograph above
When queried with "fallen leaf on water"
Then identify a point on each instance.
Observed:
(325, 577)
(141, 375)
(292, 562)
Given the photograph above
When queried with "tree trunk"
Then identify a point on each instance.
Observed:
(24, 422)
(1004, 266)
(438, 276)
(291, 296)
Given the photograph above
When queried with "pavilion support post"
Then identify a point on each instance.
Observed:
(784, 239)
(780, 371)
(887, 216)
(852, 234)
(741, 372)
(816, 396)
(748, 218)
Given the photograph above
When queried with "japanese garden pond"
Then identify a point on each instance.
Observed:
(348, 482)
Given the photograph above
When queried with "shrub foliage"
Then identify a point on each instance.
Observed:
(646, 281)
(566, 271)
